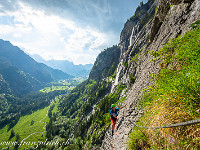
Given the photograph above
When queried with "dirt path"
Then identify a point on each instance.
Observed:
(35, 132)
(40, 122)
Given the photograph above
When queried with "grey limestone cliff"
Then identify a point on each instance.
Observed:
(105, 64)
(171, 19)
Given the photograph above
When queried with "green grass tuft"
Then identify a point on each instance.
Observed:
(174, 98)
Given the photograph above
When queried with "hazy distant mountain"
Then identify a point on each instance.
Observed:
(22, 73)
(66, 66)
(38, 58)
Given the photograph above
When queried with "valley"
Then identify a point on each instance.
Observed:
(24, 128)
(31, 128)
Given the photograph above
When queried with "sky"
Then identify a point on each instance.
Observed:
(75, 30)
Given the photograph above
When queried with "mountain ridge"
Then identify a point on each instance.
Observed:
(66, 66)
(32, 75)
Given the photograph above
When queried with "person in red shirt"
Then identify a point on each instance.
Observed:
(114, 114)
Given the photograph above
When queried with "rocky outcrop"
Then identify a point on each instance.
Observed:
(142, 15)
(168, 22)
(139, 41)
(105, 64)
(162, 10)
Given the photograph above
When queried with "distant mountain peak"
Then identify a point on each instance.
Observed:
(22, 72)
(66, 66)
(37, 58)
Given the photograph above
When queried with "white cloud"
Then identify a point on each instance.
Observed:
(6, 29)
(53, 37)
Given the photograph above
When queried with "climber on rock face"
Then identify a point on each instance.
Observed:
(113, 114)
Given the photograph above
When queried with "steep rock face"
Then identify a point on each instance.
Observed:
(162, 10)
(105, 63)
(139, 40)
(171, 22)
(136, 23)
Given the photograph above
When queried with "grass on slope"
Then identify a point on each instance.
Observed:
(55, 109)
(66, 85)
(56, 88)
(174, 97)
(24, 127)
